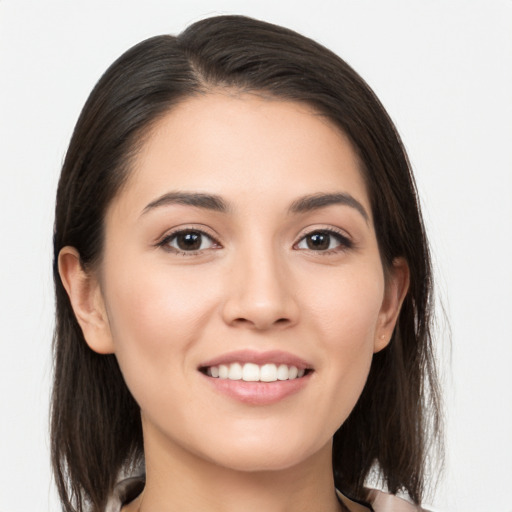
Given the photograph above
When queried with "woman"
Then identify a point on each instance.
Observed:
(243, 285)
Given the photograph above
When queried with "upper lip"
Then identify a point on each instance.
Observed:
(259, 358)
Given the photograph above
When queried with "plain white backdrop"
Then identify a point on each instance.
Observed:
(442, 68)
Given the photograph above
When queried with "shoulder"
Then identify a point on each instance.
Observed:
(383, 502)
(125, 491)
(129, 488)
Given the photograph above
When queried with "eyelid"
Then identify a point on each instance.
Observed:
(164, 240)
(346, 241)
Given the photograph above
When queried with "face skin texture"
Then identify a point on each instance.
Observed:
(256, 283)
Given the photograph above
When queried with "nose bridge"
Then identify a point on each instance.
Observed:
(260, 294)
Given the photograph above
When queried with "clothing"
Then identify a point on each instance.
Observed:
(385, 502)
(128, 489)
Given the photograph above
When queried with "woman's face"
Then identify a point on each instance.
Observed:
(240, 252)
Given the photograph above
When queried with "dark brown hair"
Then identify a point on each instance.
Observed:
(95, 422)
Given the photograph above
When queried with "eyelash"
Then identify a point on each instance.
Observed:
(164, 243)
(344, 242)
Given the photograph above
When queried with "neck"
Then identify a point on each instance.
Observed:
(179, 480)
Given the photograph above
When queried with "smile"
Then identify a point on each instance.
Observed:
(251, 372)
(257, 378)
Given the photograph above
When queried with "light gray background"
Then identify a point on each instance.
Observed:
(443, 69)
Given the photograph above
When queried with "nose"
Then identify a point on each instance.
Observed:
(260, 293)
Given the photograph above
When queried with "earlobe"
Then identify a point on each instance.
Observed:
(86, 299)
(397, 286)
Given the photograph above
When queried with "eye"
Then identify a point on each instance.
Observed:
(324, 241)
(188, 241)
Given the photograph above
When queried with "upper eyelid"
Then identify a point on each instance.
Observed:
(346, 242)
(327, 229)
(168, 235)
(164, 242)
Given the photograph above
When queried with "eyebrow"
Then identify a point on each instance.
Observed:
(316, 201)
(216, 203)
(197, 199)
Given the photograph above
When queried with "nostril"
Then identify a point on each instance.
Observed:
(260, 323)
(241, 321)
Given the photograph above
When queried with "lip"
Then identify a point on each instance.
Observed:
(257, 393)
(251, 356)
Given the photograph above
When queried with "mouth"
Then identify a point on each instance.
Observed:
(252, 372)
(257, 378)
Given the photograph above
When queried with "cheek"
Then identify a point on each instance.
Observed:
(156, 305)
(155, 317)
(347, 306)
(345, 317)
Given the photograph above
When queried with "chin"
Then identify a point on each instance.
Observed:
(274, 453)
(249, 463)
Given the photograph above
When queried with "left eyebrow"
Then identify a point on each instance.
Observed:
(197, 199)
(316, 201)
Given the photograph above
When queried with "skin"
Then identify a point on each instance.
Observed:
(254, 284)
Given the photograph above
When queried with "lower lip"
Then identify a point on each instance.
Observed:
(258, 393)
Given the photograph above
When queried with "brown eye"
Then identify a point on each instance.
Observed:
(318, 241)
(323, 241)
(189, 241)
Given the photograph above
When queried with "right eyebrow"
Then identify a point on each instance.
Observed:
(316, 201)
(197, 199)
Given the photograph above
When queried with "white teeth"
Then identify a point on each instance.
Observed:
(268, 373)
(251, 372)
(223, 371)
(235, 371)
(282, 372)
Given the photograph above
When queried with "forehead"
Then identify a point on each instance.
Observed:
(244, 146)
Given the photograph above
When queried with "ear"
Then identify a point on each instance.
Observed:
(86, 300)
(396, 287)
